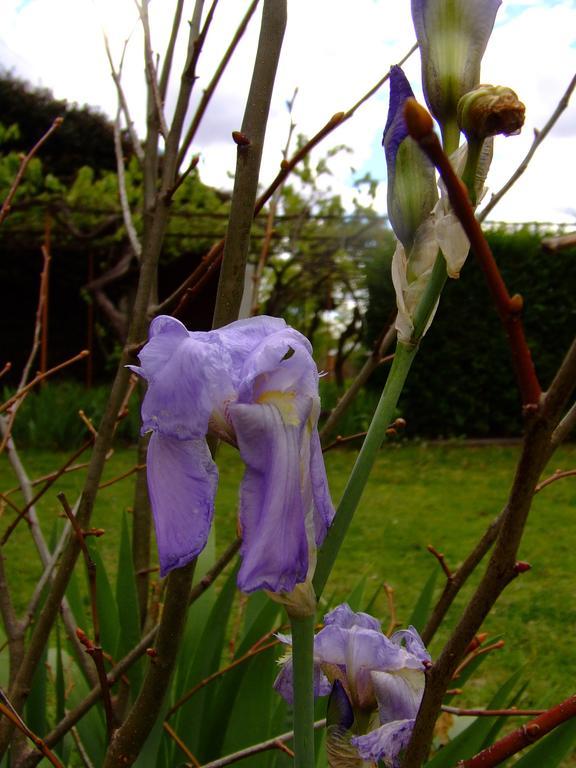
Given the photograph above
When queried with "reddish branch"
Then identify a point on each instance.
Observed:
(523, 737)
(509, 308)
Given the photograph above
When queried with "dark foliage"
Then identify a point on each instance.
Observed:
(85, 137)
(462, 381)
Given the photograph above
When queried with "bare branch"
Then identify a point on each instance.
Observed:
(539, 137)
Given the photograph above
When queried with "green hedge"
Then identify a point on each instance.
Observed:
(48, 418)
(462, 382)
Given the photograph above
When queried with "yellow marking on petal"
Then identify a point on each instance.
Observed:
(284, 402)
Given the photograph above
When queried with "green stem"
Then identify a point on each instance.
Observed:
(450, 136)
(353, 492)
(303, 676)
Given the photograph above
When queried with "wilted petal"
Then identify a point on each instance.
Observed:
(272, 513)
(187, 375)
(385, 743)
(182, 481)
(410, 278)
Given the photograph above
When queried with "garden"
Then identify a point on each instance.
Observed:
(283, 480)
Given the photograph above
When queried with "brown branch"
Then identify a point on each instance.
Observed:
(123, 476)
(257, 748)
(512, 712)
(49, 483)
(6, 205)
(342, 440)
(420, 127)
(93, 649)
(248, 158)
(287, 166)
(558, 475)
(41, 377)
(523, 737)
(211, 88)
(539, 137)
(254, 651)
(503, 567)
(180, 744)
(442, 561)
(9, 712)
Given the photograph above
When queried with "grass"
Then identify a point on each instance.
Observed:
(419, 494)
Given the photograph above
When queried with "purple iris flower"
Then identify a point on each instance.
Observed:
(254, 384)
(452, 35)
(376, 673)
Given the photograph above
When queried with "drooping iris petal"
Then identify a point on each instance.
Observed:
(385, 743)
(253, 383)
(452, 35)
(182, 480)
(184, 385)
(272, 515)
(323, 508)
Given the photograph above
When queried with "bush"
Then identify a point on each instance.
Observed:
(48, 417)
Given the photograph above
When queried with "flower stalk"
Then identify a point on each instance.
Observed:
(303, 670)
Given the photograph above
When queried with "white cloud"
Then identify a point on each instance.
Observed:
(333, 51)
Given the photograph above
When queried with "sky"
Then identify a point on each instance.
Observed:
(334, 51)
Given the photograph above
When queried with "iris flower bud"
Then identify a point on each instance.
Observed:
(452, 35)
(490, 110)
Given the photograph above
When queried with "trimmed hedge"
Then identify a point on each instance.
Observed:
(462, 383)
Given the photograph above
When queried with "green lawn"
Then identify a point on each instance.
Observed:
(419, 494)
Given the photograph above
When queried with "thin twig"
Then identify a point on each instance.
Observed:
(342, 440)
(6, 205)
(210, 89)
(512, 712)
(152, 75)
(8, 711)
(182, 293)
(116, 77)
(393, 622)
(93, 649)
(442, 560)
(558, 475)
(180, 744)
(49, 483)
(539, 137)
(255, 749)
(123, 190)
(509, 309)
(41, 377)
(123, 476)
(523, 737)
(250, 654)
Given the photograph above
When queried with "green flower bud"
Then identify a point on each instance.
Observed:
(490, 110)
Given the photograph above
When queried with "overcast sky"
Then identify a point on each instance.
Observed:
(333, 52)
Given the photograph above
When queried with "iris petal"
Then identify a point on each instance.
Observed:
(272, 513)
(385, 743)
(182, 481)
